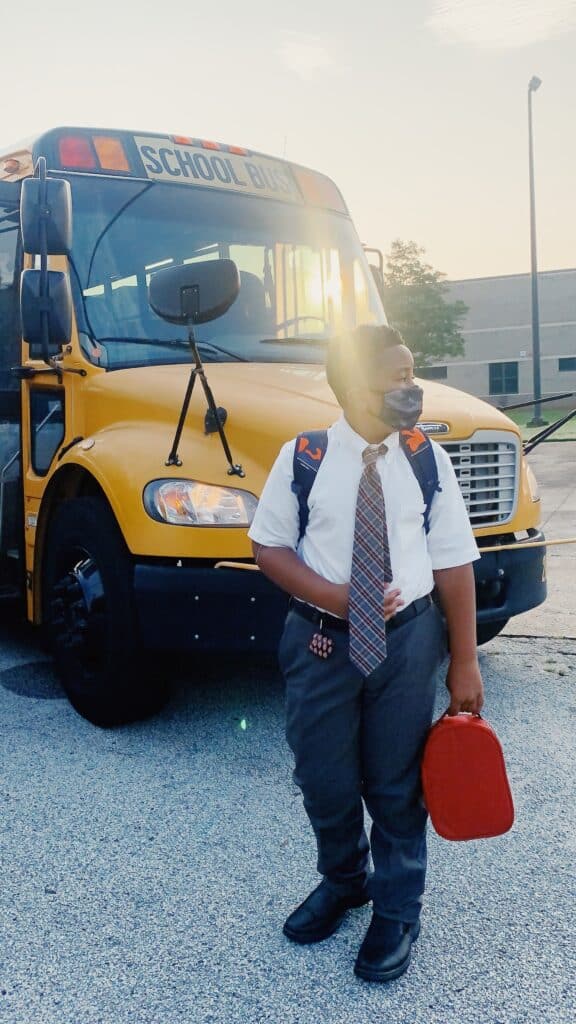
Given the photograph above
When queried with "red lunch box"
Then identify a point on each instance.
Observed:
(464, 780)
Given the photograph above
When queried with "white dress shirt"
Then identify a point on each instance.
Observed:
(326, 547)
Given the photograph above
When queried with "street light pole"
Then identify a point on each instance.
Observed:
(536, 420)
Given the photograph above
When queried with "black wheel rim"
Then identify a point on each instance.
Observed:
(78, 616)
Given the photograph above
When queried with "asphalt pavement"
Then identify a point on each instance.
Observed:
(147, 871)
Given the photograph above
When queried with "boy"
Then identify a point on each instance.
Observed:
(363, 640)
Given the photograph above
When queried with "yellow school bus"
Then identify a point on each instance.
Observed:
(125, 490)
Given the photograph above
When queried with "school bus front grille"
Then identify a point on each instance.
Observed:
(487, 468)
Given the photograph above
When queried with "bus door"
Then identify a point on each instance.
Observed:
(11, 524)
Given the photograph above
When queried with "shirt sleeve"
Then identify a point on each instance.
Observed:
(451, 541)
(276, 520)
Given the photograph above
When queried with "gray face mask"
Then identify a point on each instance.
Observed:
(402, 408)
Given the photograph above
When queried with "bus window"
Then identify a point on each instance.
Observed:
(303, 274)
(47, 427)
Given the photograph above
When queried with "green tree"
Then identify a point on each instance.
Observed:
(415, 303)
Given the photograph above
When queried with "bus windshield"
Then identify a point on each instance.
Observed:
(303, 273)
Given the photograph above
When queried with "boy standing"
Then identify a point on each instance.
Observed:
(363, 640)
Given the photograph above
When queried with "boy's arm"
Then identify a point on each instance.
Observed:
(274, 535)
(288, 571)
(453, 549)
(457, 594)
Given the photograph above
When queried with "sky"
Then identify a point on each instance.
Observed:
(418, 110)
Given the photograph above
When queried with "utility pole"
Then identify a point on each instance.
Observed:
(536, 420)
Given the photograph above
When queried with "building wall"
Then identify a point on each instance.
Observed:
(498, 329)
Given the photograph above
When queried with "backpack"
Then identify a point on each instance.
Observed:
(310, 449)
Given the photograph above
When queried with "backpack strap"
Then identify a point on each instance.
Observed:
(309, 450)
(418, 449)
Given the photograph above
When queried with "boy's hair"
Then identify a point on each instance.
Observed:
(355, 354)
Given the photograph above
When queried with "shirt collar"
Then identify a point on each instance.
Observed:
(349, 436)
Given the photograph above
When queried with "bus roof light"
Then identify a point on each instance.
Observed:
(187, 140)
(110, 153)
(75, 151)
(318, 190)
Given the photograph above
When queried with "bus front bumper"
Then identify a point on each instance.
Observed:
(205, 609)
(510, 582)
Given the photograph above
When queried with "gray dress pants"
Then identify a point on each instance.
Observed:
(360, 738)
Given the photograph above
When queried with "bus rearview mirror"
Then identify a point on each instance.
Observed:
(51, 213)
(56, 306)
(195, 292)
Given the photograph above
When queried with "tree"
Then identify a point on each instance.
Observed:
(415, 303)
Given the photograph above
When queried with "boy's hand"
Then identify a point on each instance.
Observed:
(392, 602)
(465, 685)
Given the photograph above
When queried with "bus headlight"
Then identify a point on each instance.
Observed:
(189, 503)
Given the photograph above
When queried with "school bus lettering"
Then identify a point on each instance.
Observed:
(261, 175)
(151, 164)
(268, 178)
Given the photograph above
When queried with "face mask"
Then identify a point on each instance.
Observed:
(401, 408)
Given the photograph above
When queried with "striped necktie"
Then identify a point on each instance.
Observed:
(370, 568)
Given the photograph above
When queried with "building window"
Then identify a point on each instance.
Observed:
(567, 364)
(503, 378)
(432, 372)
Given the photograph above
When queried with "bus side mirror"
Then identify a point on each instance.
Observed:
(378, 278)
(56, 304)
(195, 292)
(46, 205)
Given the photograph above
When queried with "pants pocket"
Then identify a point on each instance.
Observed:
(287, 640)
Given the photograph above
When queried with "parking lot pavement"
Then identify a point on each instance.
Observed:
(147, 871)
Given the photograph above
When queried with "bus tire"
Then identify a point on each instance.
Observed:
(90, 617)
(486, 631)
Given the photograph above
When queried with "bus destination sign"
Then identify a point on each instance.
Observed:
(192, 165)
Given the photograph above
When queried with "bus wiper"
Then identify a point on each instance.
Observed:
(210, 346)
(294, 340)
(177, 343)
(167, 342)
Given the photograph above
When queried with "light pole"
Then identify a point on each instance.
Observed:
(536, 420)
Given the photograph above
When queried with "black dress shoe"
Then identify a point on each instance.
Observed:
(386, 949)
(322, 912)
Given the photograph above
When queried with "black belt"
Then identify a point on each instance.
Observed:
(308, 611)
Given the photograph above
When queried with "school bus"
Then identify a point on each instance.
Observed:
(133, 266)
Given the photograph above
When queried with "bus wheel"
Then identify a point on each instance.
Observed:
(486, 631)
(90, 618)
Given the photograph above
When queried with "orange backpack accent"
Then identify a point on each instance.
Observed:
(414, 439)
